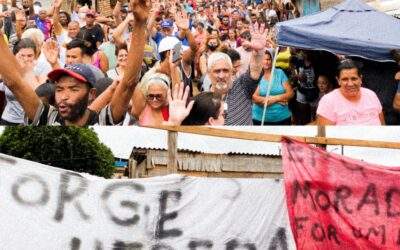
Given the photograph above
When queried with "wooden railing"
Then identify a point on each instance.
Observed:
(253, 136)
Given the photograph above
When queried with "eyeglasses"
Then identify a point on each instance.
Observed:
(155, 97)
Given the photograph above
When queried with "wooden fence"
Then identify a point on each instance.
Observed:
(320, 140)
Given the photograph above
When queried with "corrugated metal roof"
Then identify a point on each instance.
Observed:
(122, 140)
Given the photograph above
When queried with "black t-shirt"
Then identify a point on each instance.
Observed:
(93, 35)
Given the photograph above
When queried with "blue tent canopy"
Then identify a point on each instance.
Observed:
(350, 28)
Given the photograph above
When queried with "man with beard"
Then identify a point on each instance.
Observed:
(237, 91)
(74, 85)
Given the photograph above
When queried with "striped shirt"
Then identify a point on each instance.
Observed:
(239, 101)
(48, 115)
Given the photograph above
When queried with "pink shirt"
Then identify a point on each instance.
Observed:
(336, 108)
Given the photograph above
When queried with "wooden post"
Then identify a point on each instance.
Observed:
(321, 133)
(132, 168)
(172, 166)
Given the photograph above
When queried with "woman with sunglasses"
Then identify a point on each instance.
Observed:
(155, 111)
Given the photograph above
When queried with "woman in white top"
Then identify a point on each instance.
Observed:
(26, 53)
(121, 52)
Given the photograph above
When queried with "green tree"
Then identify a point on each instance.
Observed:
(72, 148)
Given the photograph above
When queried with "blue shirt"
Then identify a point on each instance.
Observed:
(275, 112)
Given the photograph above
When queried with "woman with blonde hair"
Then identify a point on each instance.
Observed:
(155, 111)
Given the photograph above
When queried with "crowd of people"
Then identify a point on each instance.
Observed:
(178, 62)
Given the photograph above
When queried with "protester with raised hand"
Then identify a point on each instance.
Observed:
(161, 67)
(238, 94)
(25, 52)
(74, 85)
(187, 63)
(179, 109)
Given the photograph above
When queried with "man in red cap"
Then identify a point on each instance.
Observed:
(92, 32)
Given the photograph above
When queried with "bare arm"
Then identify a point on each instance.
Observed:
(119, 31)
(203, 64)
(103, 19)
(382, 118)
(138, 102)
(102, 100)
(124, 91)
(103, 61)
(257, 98)
(396, 102)
(190, 54)
(175, 76)
(256, 65)
(13, 75)
(323, 121)
(182, 21)
(285, 97)
(152, 19)
(56, 18)
(116, 12)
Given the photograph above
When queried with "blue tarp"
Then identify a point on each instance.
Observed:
(350, 28)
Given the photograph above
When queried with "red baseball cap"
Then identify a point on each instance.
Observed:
(91, 13)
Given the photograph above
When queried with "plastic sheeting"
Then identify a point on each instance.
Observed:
(350, 28)
(336, 202)
(48, 208)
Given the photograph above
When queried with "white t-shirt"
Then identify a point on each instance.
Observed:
(13, 111)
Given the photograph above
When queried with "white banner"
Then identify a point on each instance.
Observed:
(48, 208)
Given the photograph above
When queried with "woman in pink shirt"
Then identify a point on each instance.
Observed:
(350, 104)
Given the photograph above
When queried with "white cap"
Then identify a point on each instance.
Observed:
(167, 43)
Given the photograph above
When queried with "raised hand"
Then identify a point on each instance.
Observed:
(57, 3)
(178, 110)
(51, 51)
(182, 20)
(141, 10)
(258, 37)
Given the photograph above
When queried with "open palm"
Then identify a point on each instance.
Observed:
(178, 110)
(258, 37)
(141, 10)
(182, 21)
